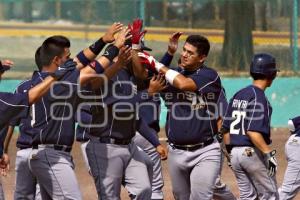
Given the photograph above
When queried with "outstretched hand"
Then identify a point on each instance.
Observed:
(157, 84)
(111, 31)
(173, 42)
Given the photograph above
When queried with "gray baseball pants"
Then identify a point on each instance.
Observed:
(27, 187)
(194, 173)
(291, 181)
(221, 190)
(157, 180)
(54, 171)
(113, 165)
(251, 174)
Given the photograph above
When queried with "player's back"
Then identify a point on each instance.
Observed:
(248, 110)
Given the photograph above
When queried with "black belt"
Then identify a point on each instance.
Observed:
(108, 140)
(54, 146)
(192, 147)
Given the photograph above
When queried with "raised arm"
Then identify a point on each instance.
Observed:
(176, 79)
(87, 55)
(103, 65)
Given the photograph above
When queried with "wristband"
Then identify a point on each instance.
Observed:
(171, 75)
(111, 52)
(83, 59)
(96, 66)
(158, 65)
(167, 59)
(136, 47)
(97, 46)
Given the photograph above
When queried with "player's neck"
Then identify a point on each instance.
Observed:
(261, 84)
(49, 68)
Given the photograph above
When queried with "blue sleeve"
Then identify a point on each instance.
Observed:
(166, 59)
(147, 132)
(207, 81)
(13, 105)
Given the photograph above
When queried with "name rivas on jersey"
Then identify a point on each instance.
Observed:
(240, 104)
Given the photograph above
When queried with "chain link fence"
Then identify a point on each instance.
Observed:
(272, 22)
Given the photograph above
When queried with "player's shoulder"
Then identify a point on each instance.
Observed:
(251, 93)
(245, 93)
(24, 86)
(208, 71)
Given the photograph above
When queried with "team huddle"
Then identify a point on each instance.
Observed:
(110, 103)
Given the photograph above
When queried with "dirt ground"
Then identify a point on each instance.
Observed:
(87, 187)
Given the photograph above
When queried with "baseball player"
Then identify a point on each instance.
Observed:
(291, 181)
(221, 190)
(247, 133)
(121, 161)
(149, 112)
(26, 183)
(191, 125)
(53, 117)
(17, 105)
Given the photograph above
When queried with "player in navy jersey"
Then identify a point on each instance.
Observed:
(53, 117)
(26, 183)
(191, 124)
(248, 133)
(129, 165)
(17, 105)
(149, 112)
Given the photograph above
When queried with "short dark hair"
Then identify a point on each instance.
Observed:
(48, 52)
(58, 40)
(200, 42)
(37, 59)
(51, 47)
(257, 76)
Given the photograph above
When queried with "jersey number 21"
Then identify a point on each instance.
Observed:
(239, 117)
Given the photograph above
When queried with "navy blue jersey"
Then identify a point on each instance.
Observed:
(53, 116)
(11, 106)
(118, 113)
(25, 128)
(192, 116)
(248, 110)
